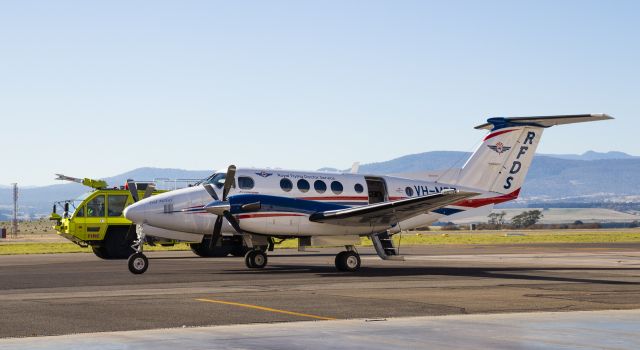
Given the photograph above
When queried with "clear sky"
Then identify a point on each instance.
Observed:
(96, 88)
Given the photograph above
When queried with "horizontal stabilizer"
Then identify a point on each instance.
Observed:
(543, 122)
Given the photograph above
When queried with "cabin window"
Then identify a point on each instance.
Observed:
(409, 191)
(115, 204)
(245, 182)
(80, 212)
(320, 186)
(336, 187)
(95, 207)
(286, 185)
(303, 185)
(358, 188)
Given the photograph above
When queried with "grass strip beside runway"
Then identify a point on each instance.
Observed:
(411, 238)
(56, 248)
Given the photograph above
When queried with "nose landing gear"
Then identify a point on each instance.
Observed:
(138, 262)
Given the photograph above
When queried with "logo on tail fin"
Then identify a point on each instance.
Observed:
(499, 147)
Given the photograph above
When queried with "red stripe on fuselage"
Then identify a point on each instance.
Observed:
(497, 133)
(266, 215)
(336, 198)
(480, 202)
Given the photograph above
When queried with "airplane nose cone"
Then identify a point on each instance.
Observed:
(135, 213)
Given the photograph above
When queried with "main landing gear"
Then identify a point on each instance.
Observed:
(138, 262)
(349, 260)
(255, 259)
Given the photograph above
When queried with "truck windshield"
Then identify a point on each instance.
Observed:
(76, 203)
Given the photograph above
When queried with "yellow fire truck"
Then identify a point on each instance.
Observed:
(95, 219)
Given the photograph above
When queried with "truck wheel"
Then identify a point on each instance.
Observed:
(116, 246)
(99, 252)
(203, 250)
(239, 250)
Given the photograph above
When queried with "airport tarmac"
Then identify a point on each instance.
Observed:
(60, 294)
(543, 330)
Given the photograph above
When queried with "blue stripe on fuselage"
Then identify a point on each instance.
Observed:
(281, 204)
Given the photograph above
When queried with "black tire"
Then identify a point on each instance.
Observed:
(248, 259)
(99, 252)
(138, 263)
(116, 246)
(259, 259)
(256, 259)
(239, 251)
(348, 261)
(203, 250)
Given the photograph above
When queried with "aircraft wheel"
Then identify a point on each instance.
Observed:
(138, 263)
(255, 259)
(348, 261)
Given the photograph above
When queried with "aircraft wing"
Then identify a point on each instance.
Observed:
(389, 213)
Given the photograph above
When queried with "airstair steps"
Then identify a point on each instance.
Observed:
(383, 245)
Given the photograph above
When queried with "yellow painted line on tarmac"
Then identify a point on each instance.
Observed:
(263, 308)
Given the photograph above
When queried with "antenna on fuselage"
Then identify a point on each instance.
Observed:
(355, 167)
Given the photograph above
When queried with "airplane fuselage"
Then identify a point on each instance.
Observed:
(321, 191)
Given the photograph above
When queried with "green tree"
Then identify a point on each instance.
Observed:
(527, 218)
(497, 218)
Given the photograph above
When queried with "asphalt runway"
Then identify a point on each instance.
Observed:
(78, 293)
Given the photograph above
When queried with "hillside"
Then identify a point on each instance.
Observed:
(591, 176)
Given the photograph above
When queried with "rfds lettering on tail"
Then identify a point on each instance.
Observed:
(337, 209)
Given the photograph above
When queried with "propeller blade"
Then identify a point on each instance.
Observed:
(211, 191)
(232, 220)
(229, 181)
(215, 235)
(149, 191)
(133, 189)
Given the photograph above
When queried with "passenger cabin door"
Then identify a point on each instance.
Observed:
(377, 189)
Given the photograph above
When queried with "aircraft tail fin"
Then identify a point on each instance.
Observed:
(502, 161)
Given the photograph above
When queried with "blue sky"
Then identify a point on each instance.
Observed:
(96, 88)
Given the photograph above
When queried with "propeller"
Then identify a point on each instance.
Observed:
(133, 189)
(222, 207)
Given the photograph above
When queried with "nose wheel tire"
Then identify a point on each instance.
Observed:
(255, 259)
(138, 263)
(348, 261)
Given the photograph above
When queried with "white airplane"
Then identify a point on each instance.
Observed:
(337, 209)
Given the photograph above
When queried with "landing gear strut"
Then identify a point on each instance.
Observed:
(255, 259)
(138, 262)
(349, 260)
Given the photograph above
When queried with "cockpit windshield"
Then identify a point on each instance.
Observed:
(217, 180)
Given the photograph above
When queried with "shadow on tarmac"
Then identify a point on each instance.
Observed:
(479, 272)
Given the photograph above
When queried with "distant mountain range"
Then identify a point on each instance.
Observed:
(591, 176)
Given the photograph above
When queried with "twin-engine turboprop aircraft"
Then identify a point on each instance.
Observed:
(337, 209)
